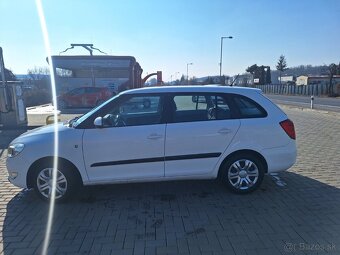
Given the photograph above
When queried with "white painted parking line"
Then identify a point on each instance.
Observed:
(278, 181)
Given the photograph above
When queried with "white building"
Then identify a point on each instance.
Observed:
(287, 79)
(313, 79)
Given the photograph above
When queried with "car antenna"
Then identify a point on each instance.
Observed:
(234, 80)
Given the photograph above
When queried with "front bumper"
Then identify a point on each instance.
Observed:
(15, 165)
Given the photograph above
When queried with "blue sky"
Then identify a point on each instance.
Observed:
(166, 35)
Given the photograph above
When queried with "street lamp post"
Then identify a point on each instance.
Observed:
(223, 37)
(188, 72)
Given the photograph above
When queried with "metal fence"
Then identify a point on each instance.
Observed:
(316, 90)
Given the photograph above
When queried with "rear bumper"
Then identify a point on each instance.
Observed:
(280, 158)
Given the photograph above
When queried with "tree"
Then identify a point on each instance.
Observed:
(281, 65)
(252, 69)
(38, 73)
(332, 70)
(262, 75)
(193, 80)
(259, 73)
(268, 76)
(182, 80)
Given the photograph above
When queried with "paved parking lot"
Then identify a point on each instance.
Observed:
(296, 212)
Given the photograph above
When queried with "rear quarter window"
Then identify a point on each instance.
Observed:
(248, 108)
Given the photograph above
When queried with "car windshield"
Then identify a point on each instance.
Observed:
(88, 114)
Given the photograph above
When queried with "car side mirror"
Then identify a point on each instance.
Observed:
(98, 122)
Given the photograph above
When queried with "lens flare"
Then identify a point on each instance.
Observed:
(54, 100)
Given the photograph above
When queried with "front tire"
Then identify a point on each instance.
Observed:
(242, 173)
(67, 182)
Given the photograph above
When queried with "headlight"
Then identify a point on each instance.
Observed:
(15, 149)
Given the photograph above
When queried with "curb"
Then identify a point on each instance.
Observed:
(308, 109)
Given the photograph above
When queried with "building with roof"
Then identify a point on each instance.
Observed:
(316, 79)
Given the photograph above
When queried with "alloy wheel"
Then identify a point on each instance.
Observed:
(243, 174)
(44, 183)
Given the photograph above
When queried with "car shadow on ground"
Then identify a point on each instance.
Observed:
(113, 218)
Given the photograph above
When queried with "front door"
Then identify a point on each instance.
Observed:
(131, 145)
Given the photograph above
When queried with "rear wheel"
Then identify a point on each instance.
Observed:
(67, 183)
(242, 173)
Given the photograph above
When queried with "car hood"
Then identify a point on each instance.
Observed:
(41, 132)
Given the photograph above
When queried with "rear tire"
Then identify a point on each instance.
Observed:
(242, 173)
(67, 181)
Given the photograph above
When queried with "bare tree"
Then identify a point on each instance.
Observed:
(38, 73)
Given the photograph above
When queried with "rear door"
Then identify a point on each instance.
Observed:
(199, 129)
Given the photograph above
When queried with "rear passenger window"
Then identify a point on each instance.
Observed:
(248, 108)
(189, 103)
(189, 108)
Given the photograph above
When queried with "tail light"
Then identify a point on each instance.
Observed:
(288, 126)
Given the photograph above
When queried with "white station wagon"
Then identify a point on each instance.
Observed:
(159, 134)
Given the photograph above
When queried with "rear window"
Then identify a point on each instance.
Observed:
(198, 107)
(248, 108)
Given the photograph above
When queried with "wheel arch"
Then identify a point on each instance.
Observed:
(246, 151)
(29, 177)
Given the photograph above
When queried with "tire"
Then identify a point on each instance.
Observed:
(68, 182)
(242, 173)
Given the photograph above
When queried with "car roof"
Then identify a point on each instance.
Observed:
(193, 88)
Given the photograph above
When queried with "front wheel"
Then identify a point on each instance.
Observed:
(66, 182)
(242, 173)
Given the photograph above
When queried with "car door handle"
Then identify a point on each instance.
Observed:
(224, 131)
(154, 136)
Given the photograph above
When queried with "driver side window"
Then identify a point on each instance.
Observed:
(135, 111)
